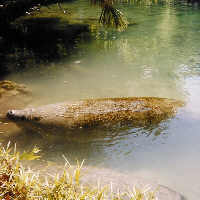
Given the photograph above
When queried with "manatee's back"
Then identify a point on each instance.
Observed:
(109, 111)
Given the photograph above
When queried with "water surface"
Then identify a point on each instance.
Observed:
(158, 55)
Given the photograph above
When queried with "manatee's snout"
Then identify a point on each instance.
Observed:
(12, 114)
(23, 115)
(15, 115)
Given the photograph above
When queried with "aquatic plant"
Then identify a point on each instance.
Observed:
(111, 16)
(19, 183)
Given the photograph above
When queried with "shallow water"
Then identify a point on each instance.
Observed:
(158, 56)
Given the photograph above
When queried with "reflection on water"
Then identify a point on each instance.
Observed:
(90, 145)
(157, 56)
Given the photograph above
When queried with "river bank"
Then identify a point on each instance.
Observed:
(19, 182)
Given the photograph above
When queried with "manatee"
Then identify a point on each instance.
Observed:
(92, 113)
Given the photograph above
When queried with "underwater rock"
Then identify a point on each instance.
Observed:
(115, 181)
(106, 112)
(13, 95)
(124, 182)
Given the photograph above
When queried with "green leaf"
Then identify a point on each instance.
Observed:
(28, 156)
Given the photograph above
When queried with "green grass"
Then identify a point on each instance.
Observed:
(19, 183)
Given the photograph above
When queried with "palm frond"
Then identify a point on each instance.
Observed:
(112, 17)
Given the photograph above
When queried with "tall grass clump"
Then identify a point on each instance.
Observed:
(20, 183)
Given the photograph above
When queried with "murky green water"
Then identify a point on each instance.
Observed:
(158, 56)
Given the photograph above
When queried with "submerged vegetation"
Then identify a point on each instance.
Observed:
(11, 10)
(32, 34)
(110, 16)
(19, 183)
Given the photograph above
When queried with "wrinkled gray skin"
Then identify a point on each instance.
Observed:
(108, 112)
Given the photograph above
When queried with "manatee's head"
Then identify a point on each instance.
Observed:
(13, 96)
(15, 115)
(22, 115)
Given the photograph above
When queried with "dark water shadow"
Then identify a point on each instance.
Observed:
(37, 41)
